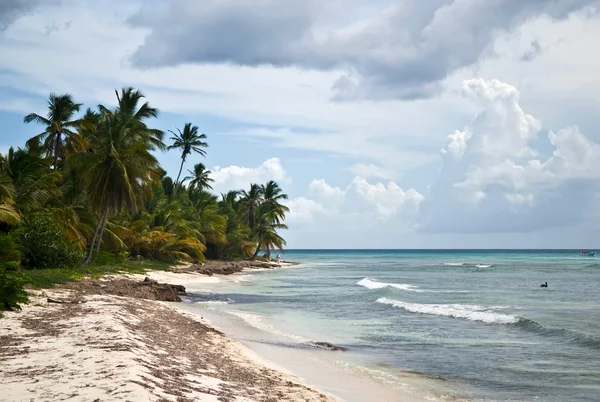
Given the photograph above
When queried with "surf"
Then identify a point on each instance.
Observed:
(566, 335)
(465, 311)
(371, 284)
(464, 264)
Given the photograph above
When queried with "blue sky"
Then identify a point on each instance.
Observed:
(390, 124)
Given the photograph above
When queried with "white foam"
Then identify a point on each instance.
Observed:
(454, 264)
(256, 321)
(483, 265)
(466, 311)
(214, 302)
(370, 284)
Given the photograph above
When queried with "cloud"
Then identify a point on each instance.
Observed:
(361, 215)
(375, 202)
(372, 171)
(236, 177)
(323, 192)
(533, 52)
(493, 180)
(11, 10)
(304, 210)
(404, 51)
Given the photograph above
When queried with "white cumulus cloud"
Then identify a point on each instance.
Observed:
(494, 179)
(236, 177)
(374, 202)
(362, 214)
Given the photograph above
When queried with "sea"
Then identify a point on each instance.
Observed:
(448, 325)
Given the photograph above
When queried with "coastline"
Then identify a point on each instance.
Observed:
(322, 367)
(106, 347)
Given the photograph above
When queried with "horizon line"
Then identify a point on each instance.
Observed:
(438, 249)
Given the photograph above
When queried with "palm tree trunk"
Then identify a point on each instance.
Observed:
(102, 231)
(256, 252)
(56, 149)
(180, 169)
(98, 226)
(251, 218)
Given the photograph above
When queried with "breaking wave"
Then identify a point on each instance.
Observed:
(465, 311)
(464, 264)
(371, 284)
(490, 315)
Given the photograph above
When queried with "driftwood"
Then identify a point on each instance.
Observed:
(63, 301)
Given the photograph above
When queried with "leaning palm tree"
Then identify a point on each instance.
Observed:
(250, 202)
(188, 141)
(200, 177)
(121, 166)
(273, 194)
(59, 122)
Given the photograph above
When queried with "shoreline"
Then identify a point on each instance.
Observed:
(322, 366)
(294, 375)
(90, 347)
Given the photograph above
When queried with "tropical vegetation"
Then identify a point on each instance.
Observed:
(89, 189)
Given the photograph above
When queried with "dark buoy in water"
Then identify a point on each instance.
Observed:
(544, 285)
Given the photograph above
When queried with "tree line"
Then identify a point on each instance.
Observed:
(89, 187)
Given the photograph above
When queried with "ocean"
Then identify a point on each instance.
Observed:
(468, 324)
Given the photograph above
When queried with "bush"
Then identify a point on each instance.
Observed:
(11, 265)
(9, 248)
(12, 294)
(106, 258)
(44, 245)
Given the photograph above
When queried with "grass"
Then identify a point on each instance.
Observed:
(47, 278)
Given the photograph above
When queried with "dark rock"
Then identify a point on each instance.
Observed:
(328, 346)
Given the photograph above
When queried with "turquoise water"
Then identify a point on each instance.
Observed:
(476, 320)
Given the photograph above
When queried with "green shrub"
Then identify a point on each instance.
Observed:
(12, 294)
(11, 265)
(44, 245)
(9, 247)
(106, 258)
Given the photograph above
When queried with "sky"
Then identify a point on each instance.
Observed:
(390, 124)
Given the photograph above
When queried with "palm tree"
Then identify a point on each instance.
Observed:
(8, 213)
(29, 171)
(238, 233)
(273, 194)
(250, 202)
(230, 200)
(129, 109)
(189, 140)
(200, 177)
(265, 232)
(211, 223)
(121, 165)
(58, 121)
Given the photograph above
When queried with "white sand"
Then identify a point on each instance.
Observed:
(114, 348)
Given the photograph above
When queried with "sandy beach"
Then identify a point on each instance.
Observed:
(96, 346)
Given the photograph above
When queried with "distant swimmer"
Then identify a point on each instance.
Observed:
(544, 285)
